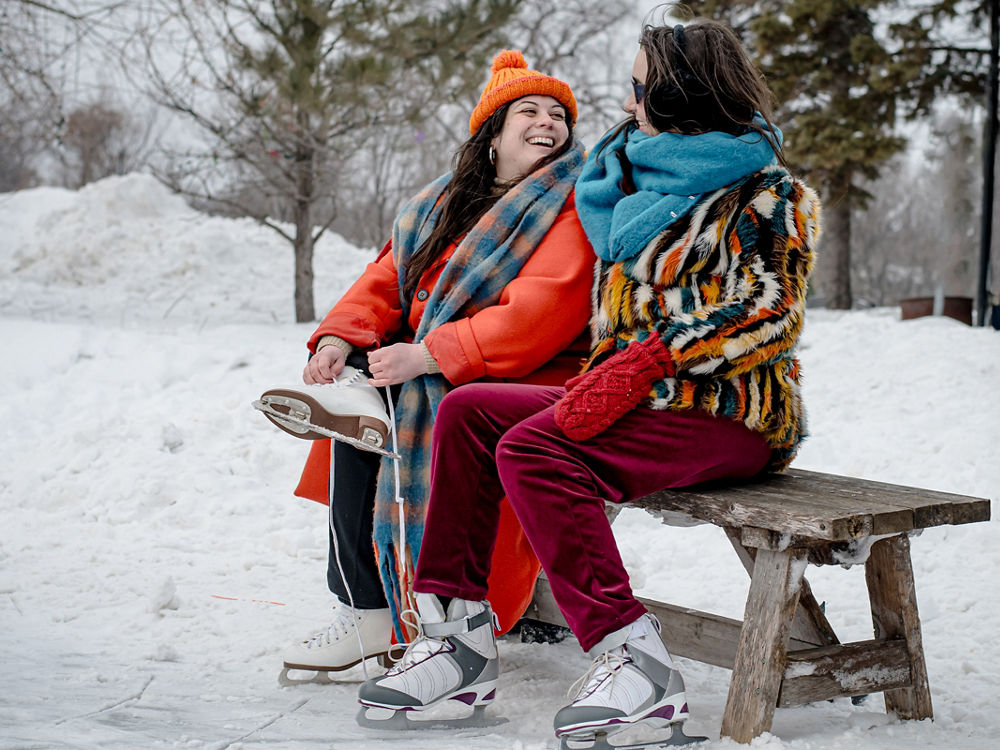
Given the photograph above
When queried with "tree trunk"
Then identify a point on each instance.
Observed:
(835, 249)
(305, 308)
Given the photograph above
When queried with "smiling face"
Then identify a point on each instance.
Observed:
(535, 127)
(638, 108)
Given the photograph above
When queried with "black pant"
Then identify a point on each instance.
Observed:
(355, 473)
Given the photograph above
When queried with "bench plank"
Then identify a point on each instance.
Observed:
(930, 507)
(819, 506)
(731, 506)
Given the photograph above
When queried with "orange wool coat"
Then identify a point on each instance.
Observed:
(536, 333)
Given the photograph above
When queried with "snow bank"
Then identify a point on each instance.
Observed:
(126, 250)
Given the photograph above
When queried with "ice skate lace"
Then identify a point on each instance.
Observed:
(605, 666)
(422, 647)
(350, 380)
(344, 621)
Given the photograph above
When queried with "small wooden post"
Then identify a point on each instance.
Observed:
(760, 656)
(889, 574)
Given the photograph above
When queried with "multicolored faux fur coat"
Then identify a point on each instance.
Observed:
(725, 288)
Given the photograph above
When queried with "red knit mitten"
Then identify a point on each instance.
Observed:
(595, 400)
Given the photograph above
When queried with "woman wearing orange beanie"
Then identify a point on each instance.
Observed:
(486, 277)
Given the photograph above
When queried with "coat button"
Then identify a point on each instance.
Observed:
(422, 295)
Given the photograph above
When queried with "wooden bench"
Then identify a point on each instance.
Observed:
(784, 652)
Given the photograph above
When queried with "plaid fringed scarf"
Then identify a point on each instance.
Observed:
(485, 261)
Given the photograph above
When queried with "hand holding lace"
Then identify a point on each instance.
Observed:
(324, 366)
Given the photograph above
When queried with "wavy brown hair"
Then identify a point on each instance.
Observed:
(700, 79)
(471, 192)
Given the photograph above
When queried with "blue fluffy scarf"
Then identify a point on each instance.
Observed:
(488, 258)
(671, 172)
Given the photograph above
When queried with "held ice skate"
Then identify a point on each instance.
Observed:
(353, 636)
(631, 682)
(348, 409)
(452, 664)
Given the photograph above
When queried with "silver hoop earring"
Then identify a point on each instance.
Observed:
(493, 155)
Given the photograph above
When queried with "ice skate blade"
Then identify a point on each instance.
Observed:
(323, 676)
(318, 677)
(283, 420)
(371, 717)
(599, 741)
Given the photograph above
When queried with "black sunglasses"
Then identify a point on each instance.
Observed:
(639, 89)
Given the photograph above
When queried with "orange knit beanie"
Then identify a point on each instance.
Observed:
(511, 80)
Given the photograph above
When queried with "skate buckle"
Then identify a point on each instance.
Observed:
(373, 437)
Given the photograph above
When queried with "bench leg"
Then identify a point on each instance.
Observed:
(810, 623)
(763, 644)
(889, 574)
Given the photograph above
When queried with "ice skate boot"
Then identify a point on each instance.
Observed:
(632, 681)
(452, 664)
(339, 646)
(349, 407)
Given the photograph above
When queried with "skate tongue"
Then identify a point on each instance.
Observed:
(606, 664)
(459, 608)
(429, 608)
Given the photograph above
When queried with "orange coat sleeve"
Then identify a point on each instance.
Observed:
(370, 311)
(538, 315)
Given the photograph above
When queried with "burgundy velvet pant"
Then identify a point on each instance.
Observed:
(496, 439)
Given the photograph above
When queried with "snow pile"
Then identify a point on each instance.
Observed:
(153, 562)
(128, 250)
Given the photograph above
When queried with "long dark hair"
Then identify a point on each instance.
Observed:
(470, 194)
(700, 79)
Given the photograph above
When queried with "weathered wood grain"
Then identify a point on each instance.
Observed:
(889, 575)
(849, 669)
(810, 624)
(820, 506)
(760, 656)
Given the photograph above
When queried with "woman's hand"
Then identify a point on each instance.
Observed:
(596, 399)
(324, 366)
(396, 363)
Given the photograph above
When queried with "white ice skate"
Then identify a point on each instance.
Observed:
(452, 664)
(339, 646)
(348, 409)
(632, 681)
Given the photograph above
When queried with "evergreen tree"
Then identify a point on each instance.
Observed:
(284, 88)
(948, 40)
(845, 72)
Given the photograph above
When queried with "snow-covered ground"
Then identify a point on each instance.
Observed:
(153, 561)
